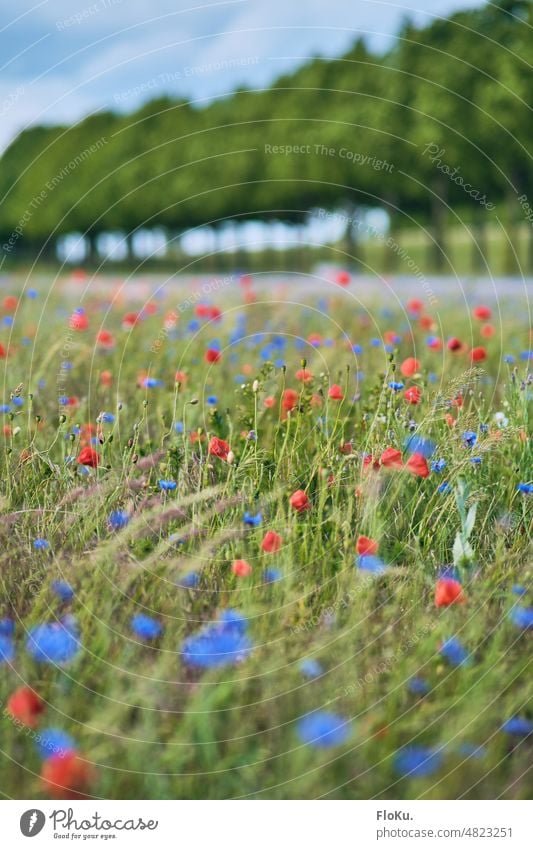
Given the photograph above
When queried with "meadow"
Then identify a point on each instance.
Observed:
(263, 545)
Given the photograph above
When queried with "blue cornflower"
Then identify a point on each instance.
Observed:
(484, 428)
(167, 486)
(311, 668)
(212, 400)
(371, 563)
(417, 761)
(519, 590)
(518, 726)
(5, 408)
(41, 544)
(7, 627)
(271, 575)
(396, 385)
(454, 652)
(189, 581)
(8, 320)
(509, 358)
(476, 461)
(63, 400)
(526, 488)
(7, 649)
(323, 730)
(145, 627)
(357, 349)
(418, 686)
(526, 355)
(179, 427)
(472, 750)
(444, 487)
(54, 642)
(118, 519)
(151, 382)
(420, 445)
(52, 742)
(63, 590)
(522, 617)
(107, 418)
(438, 465)
(17, 401)
(376, 343)
(469, 438)
(219, 643)
(32, 293)
(251, 520)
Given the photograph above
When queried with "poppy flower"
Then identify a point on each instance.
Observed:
(335, 392)
(2, 352)
(269, 402)
(10, 303)
(212, 355)
(477, 354)
(304, 374)
(67, 776)
(88, 457)
(409, 367)
(289, 400)
(299, 501)
(391, 458)
(417, 465)
(346, 448)
(342, 278)
(448, 591)
(487, 331)
(366, 545)
(180, 377)
(25, 706)
(426, 322)
(106, 378)
(272, 542)
(482, 312)
(130, 320)
(241, 568)
(78, 321)
(105, 339)
(218, 448)
(412, 395)
(454, 344)
(415, 306)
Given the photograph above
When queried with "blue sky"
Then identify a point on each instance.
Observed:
(62, 59)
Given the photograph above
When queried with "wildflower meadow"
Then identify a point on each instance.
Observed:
(264, 539)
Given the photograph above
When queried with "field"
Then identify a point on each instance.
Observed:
(264, 542)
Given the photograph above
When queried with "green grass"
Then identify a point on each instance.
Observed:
(154, 727)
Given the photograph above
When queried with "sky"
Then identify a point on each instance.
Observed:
(63, 59)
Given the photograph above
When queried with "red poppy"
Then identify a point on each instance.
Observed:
(412, 395)
(450, 421)
(218, 448)
(342, 278)
(88, 457)
(314, 339)
(299, 501)
(26, 706)
(366, 545)
(409, 367)
(212, 355)
(289, 400)
(454, 344)
(482, 313)
(269, 402)
(346, 448)
(448, 591)
(304, 374)
(435, 343)
(10, 303)
(415, 306)
(417, 465)
(67, 776)
(271, 542)
(2, 352)
(78, 321)
(130, 320)
(391, 458)
(478, 354)
(105, 339)
(487, 331)
(427, 323)
(335, 392)
(106, 378)
(241, 568)
(369, 463)
(180, 377)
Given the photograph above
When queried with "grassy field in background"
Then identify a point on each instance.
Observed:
(343, 671)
